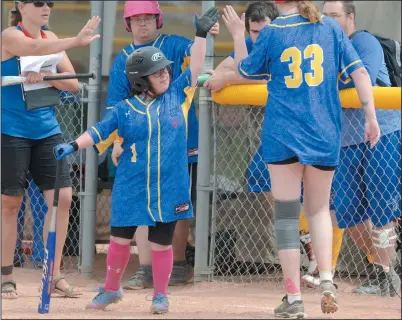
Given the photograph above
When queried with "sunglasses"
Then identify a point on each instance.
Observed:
(40, 4)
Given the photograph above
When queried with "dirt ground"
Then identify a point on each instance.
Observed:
(213, 300)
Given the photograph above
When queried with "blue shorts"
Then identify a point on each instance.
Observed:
(258, 176)
(367, 183)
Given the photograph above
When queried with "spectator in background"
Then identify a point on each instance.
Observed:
(143, 19)
(30, 130)
(367, 182)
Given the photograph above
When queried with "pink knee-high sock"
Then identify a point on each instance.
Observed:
(162, 265)
(116, 262)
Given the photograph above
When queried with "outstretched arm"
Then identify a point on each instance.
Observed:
(203, 25)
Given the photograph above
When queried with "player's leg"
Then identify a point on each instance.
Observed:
(382, 177)
(161, 238)
(43, 167)
(15, 155)
(317, 187)
(337, 238)
(118, 255)
(286, 189)
(142, 278)
(182, 269)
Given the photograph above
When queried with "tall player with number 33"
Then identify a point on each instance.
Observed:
(301, 54)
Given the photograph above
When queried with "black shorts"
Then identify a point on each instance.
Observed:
(20, 155)
(192, 171)
(161, 234)
(296, 159)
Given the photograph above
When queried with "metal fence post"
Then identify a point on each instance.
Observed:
(201, 268)
(91, 163)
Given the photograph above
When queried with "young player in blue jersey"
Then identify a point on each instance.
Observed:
(152, 182)
(302, 125)
(144, 20)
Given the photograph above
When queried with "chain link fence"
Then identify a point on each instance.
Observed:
(242, 235)
(31, 217)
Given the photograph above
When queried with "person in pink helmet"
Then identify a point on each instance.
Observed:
(144, 19)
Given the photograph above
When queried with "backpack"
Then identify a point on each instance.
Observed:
(392, 57)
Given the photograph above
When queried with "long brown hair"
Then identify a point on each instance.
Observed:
(309, 11)
(14, 17)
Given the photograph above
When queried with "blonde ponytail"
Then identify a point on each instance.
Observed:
(309, 11)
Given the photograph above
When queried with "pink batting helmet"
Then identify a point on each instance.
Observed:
(134, 8)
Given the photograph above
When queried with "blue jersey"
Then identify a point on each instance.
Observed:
(152, 182)
(303, 111)
(371, 54)
(176, 49)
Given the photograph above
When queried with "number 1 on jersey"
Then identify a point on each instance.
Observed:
(293, 54)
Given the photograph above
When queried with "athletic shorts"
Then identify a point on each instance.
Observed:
(161, 233)
(258, 175)
(367, 183)
(20, 155)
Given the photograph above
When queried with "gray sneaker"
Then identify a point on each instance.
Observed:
(141, 279)
(290, 311)
(182, 273)
(328, 297)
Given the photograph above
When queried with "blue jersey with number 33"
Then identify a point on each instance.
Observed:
(302, 61)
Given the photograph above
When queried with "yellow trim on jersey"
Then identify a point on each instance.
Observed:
(289, 16)
(134, 153)
(145, 103)
(160, 45)
(97, 132)
(346, 68)
(125, 52)
(149, 161)
(252, 75)
(159, 166)
(186, 63)
(290, 25)
(109, 108)
(190, 92)
(134, 108)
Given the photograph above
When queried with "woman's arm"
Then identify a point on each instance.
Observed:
(15, 43)
(64, 67)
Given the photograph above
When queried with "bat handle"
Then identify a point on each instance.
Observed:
(70, 76)
(59, 171)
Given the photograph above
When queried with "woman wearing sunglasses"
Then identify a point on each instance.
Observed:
(29, 129)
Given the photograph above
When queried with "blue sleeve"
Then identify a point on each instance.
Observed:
(102, 130)
(349, 60)
(255, 66)
(183, 81)
(119, 86)
(182, 48)
(249, 45)
(370, 52)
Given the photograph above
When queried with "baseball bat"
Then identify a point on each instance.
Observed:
(48, 263)
(12, 80)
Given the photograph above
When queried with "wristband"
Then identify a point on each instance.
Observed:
(201, 34)
(74, 144)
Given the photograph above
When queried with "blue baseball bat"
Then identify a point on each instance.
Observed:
(48, 264)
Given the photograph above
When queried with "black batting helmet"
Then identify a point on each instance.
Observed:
(143, 62)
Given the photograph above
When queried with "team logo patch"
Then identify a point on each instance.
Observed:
(156, 56)
(182, 208)
(192, 152)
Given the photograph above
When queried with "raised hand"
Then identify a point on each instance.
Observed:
(86, 35)
(234, 24)
(204, 24)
